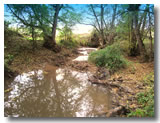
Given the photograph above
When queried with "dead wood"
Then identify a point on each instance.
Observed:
(111, 84)
(114, 111)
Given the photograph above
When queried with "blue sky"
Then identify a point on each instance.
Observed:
(80, 8)
(78, 28)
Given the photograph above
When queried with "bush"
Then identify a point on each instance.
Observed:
(145, 100)
(110, 57)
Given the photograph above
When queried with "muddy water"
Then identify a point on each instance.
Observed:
(55, 92)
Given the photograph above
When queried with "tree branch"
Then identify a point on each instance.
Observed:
(95, 16)
(91, 25)
(22, 20)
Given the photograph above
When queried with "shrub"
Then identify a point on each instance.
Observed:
(110, 57)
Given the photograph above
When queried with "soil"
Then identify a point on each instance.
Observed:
(34, 60)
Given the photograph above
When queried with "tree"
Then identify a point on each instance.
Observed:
(99, 27)
(150, 31)
(103, 17)
(43, 17)
(67, 20)
(57, 7)
(37, 16)
(32, 16)
(137, 32)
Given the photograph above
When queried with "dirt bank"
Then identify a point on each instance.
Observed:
(29, 60)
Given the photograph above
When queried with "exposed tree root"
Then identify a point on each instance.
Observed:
(49, 44)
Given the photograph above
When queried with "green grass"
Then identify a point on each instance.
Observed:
(111, 57)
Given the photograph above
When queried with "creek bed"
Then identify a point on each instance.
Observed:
(55, 92)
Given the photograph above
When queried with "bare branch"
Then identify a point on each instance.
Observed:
(90, 25)
(95, 16)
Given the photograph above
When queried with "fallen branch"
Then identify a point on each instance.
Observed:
(109, 84)
(114, 111)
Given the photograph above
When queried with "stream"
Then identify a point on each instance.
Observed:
(56, 92)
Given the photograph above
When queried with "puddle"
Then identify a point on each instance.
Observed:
(55, 92)
(85, 52)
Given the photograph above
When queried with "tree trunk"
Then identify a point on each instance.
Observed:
(102, 26)
(114, 16)
(138, 36)
(150, 37)
(57, 9)
(34, 44)
(132, 40)
(112, 32)
(50, 41)
(133, 47)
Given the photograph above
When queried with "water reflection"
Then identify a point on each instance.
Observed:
(55, 92)
(85, 51)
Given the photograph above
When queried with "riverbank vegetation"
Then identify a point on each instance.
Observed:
(40, 34)
(145, 99)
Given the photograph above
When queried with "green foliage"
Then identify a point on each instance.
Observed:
(147, 105)
(32, 15)
(65, 37)
(82, 39)
(67, 43)
(145, 100)
(124, 45)
(65, 33)
(6, 24)
(110, 57)
(137, 113)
